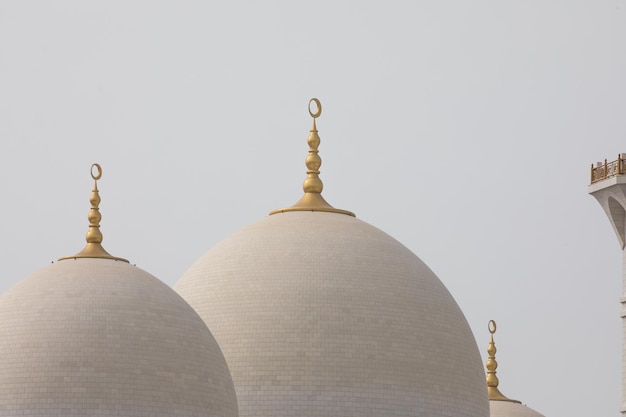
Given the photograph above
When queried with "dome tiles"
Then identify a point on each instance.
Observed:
(511, 409)
(321, 314)
(99, 337)
(92, 335)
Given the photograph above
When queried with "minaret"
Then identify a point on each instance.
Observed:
(608, 186)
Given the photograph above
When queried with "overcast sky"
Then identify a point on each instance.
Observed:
(463, 129)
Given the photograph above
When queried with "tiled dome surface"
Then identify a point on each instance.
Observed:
(511, 409)
(97, 337)
(320, 314)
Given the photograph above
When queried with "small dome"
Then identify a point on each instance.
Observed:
(322, 314)
(99, 337)
(499, 404)
(511, 409)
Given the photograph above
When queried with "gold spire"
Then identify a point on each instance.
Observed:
(492, 379)
(94, 249)
(312, 199)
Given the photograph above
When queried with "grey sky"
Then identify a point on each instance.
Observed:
(463, 129)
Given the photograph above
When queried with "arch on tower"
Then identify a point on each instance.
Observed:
(618, 219)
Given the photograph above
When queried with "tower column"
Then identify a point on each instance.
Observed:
(608, 186)
(623, 316)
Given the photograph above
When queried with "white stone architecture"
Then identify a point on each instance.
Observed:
(608, 186)
(317, 314)
(321, 314)
(499, 404)
(92, 335)
(511, 409)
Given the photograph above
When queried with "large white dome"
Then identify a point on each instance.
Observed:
(321, 314)
(99, 337)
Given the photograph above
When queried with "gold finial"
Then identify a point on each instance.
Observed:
(94, 249)
(313, 186)
(492, 379)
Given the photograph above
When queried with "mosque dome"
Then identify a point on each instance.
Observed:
(92, 335)
(321, 314)
(511, 409)
(499, 404)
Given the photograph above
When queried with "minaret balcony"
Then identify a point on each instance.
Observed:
(604, 170)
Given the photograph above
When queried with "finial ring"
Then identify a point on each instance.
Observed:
(98, 174)
(317, 113)
(492, 326)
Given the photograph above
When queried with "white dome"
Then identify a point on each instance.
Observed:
(99, 337)
(511, 409)
(321, 314)
(499, 404)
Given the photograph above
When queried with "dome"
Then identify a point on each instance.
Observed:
(321, 314)
(511, 409)
(92, 335)
(499, 404)
(95, 337)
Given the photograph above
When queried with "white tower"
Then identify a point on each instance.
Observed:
(608, 186)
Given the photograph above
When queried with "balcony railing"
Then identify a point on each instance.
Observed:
(602, 171)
